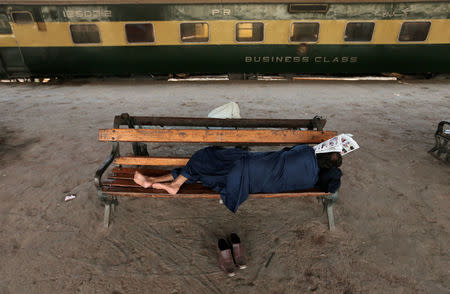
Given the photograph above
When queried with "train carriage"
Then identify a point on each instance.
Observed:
(143, 37)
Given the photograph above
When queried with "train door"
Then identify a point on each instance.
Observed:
(11, 60)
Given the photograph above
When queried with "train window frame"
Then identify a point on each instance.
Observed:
(83, 44)
(291, 27)
(195, 22)
(138, 23)
(371, 37)
(5, 30)
(23, 12)
(400, 31)
(240, 22)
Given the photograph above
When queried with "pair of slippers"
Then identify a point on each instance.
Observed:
(231, 254)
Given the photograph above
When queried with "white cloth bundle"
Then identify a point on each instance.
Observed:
(228, 110)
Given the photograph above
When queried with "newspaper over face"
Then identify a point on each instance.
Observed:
(343, 143)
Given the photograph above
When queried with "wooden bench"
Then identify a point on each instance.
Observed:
(234, 132)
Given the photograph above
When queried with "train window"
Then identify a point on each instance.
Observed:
(24, 17)
(414, 31)
(140, 33)
(359, 31)
(194, 32)
(5, 28)
(304, 32)
(250, 32)
(85, 33)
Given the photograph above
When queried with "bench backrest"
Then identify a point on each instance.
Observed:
(245, 132)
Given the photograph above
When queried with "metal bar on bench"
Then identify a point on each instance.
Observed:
(197, 194)
(214, 136)
(316, 122)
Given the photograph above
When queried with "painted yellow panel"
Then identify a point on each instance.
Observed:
(111, 34)
(221, 32)
(331, 32)
(167, 33)
(439, 30)
(386, 32)
(276, 33)
(57, 34)
(7, 41)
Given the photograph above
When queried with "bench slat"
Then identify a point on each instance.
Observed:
(214, 136)
(198, 194)
(197, 188)
(130, 176)
(130, 170)
(144, 171)
(145, 160)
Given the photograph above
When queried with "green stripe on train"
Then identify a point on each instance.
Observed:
(129, 60)
(160, 12)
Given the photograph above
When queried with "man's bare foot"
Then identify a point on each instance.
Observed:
(142, 180)
(171, 188)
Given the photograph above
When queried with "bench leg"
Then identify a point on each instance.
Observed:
(107, 214)
(327, 202)
(110, 208)
(330, 216)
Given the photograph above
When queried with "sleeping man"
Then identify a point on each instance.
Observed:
(236, 173)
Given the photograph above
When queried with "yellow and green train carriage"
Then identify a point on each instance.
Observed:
(140, 37)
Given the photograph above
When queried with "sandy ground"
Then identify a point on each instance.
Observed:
(393, 220)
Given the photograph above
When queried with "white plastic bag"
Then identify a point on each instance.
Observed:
(228, 110)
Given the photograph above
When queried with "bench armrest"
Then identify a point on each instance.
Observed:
(440, 129)
(102, 169)
(98, 174)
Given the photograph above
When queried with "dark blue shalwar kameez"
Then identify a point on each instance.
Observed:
(235, 173)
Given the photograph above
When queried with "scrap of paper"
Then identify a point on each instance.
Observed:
(70, 197)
